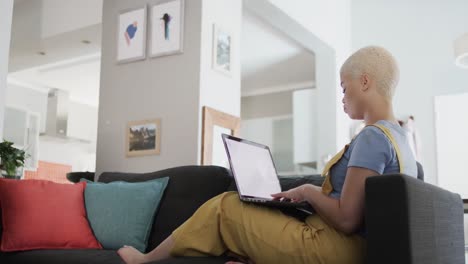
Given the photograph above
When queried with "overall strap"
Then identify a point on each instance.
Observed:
(327, 187)
(394, 144)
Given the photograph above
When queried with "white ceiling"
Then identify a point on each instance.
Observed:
(79, 76)
(69, 63)
(36, 29)
(262, 45)
(268, 58)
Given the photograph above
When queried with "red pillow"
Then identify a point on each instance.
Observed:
(39, 214)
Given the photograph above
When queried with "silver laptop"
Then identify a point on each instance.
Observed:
(255, 174)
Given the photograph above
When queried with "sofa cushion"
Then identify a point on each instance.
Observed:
(122, 213)
(188, 188)
(39, 214)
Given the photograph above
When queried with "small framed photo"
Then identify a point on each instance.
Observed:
(167, 28)
(131, 38)
(143, 138)
(222, 50)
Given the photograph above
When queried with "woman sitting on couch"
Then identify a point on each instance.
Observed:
(335, 234)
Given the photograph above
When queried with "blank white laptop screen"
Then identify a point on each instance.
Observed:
(254, 169)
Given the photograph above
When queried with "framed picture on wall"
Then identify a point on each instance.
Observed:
(167, 28)
(216, 123)
(143, 138)
(222, 50)
(131, 35)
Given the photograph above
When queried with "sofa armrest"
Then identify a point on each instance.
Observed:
(409, 221)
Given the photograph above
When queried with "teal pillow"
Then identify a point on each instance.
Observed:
(121, 213)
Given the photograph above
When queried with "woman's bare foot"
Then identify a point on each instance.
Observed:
(131, 255)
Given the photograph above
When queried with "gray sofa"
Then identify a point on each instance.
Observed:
(407, 220)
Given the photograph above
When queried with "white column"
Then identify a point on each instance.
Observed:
(6, 14)
(219, 90)
(305, 126)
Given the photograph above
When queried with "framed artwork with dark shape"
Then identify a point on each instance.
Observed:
(167, 28)
(143, 138)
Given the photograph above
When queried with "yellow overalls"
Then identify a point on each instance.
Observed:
(224, 223)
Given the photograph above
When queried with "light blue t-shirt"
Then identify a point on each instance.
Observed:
(371, 149)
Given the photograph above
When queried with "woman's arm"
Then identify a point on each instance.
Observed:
(346, 213)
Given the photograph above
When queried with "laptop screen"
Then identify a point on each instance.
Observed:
(253, 168)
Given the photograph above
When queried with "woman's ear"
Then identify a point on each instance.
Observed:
(365, 82)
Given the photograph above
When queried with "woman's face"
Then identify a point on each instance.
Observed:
(352, 96)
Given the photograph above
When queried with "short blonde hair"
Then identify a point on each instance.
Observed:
(376, 62)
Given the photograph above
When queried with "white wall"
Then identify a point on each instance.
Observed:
(33, 100)
(466, 233)
(6, 13)
(81, 156)
(82, 118)
(270, 126)
(267, 105)
(332, 132)
(26, 23)
(296, 71)
(330, 21)
(420, 35)
(452, 142)
(164, 87)
(173, 88)
(218, 90)
(271, 59)
(276, 132)
(326, 19)
(304, 125)
(82, 124)
(60, 16)
(82, 121)
(27, 38)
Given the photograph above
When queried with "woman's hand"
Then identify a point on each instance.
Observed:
(297, 194)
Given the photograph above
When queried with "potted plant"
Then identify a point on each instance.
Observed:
(11, 160)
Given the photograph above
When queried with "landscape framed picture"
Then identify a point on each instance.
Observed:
(222, 50)
(143, 138)
(131, 35)
(167, 28)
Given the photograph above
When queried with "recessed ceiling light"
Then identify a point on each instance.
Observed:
(85, 41)
(42, 53)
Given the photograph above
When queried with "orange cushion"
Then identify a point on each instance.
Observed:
(38, 214)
